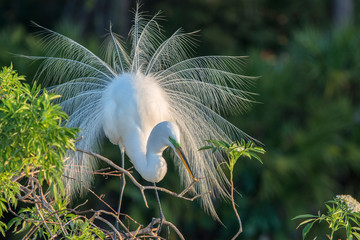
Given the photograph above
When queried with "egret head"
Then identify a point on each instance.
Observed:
(167, 134)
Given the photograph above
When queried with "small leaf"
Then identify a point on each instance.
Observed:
(256, 157)
(205, 148)
(12, 221)
(304, 216)
(3, 228)
(307, 229)
(223, 143)
(348, 230)
(306, 221)
(357, 235)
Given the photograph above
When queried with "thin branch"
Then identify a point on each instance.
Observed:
(33, 194)
(37, 209)
(236, 213)
(49, 206)
(114, 213)
(110, 225)
(141, 187)
(149, 228)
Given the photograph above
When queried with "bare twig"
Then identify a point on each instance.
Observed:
(149, 228)
(111, 226)
(114, 213)
(38, 211)
(49, 206)
(141, 187)
(32, 193)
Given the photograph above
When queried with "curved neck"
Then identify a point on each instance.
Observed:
(150, 164)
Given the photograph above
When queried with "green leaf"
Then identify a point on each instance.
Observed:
(307, 229)
(357, 235)
(12, 221)
(306, 221)
(3, 228)
(348, 230)
(305, 216)
(256, 157)
(205, 148)
(224, 144)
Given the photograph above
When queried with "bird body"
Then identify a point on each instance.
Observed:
(153, 97)
(133, 105)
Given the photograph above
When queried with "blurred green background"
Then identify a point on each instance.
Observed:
(307, 56)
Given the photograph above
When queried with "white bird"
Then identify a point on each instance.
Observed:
(153, 97)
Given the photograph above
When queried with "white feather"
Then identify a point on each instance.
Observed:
(125, 96)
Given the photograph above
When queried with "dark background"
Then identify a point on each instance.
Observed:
(306, 54)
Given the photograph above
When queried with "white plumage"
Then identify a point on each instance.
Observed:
(132, 105)
(124, 96)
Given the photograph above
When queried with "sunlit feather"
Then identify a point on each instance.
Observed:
(196, 90)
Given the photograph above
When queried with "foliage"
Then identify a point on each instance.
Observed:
(33, 145)
(31, 133)
(342, 213)
(31, 136)
(30, 220)
(235, 151)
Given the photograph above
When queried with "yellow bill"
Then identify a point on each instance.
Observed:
(181, 155)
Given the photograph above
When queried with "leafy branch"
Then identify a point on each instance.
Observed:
(343, 213)
(234, 151)
(33, 141)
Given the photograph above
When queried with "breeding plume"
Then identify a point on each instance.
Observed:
(143, 100)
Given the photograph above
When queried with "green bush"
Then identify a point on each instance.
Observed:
(343, 215)
(33, 144)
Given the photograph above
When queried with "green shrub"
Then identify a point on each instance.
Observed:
(33, 142)
(343, 215)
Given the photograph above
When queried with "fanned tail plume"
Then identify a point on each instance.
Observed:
(198, 90)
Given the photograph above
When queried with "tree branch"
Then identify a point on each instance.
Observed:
(141, 187)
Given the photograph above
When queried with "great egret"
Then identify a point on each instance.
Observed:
(145, 100)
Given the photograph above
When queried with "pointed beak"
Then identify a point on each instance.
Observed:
(181, 155)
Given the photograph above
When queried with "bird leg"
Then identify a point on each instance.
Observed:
(162, 217)
(122, 184)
